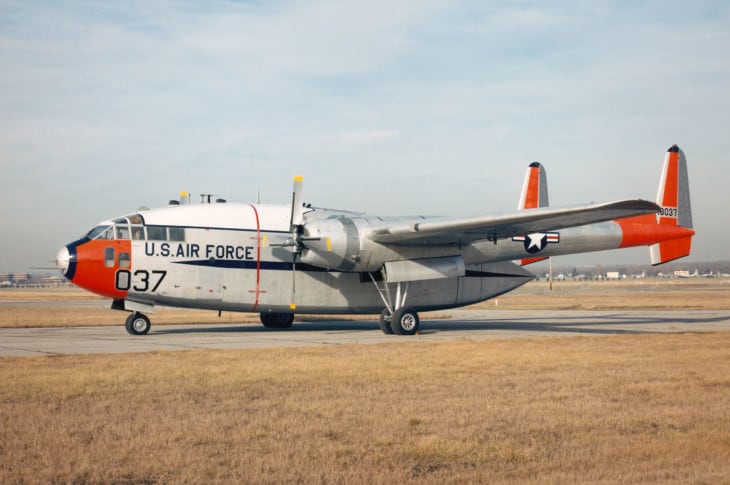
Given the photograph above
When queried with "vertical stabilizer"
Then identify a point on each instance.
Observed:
(534, 189)
(675, 209)
(534, 195)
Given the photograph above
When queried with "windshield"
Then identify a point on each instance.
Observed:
(133, 228)
(95, 232)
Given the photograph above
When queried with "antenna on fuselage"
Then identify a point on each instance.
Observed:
(205, 198)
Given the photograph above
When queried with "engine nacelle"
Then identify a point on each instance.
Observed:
(332, 243)
(338, 242)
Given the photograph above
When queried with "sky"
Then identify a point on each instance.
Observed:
(392, 108)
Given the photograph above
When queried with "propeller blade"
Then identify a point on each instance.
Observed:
(293, 276)
(296, 226)
(297, 209)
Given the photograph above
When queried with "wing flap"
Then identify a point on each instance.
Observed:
(453, 231)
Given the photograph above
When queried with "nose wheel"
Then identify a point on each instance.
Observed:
(137, 324)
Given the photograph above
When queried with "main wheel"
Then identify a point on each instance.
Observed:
(277, 320)
(385, 318)
(405, 321)
(137, 324)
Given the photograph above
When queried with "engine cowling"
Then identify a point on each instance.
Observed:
(332, 243)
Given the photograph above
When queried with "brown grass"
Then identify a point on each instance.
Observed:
(648, 408)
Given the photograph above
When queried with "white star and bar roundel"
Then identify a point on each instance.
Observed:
(536, 242)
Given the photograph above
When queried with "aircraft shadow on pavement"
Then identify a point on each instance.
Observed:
(580, 324)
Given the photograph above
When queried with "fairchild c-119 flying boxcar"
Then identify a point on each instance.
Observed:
(278, 260)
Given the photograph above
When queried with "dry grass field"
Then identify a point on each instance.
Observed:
(632, 408)
(648, 408)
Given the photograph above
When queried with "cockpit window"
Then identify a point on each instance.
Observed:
(101, 232)
(135, 219)
(122, 231)
(137, 233)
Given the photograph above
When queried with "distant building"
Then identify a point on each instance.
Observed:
(12, 279)
(19, 278)
(53, 281)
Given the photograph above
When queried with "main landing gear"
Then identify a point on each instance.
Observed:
(277, 320)
(403, 321)
(396, 318)
(137, 324)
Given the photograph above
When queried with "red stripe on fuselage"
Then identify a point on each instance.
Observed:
(258, 257)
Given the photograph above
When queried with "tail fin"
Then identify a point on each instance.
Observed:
(534, 189)
(675, 208)
(534, 195)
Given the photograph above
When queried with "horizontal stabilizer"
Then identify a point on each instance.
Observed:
(666, 251)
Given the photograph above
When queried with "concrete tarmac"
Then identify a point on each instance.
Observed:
(463, 324)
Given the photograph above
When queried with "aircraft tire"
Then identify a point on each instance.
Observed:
(137, 324)
(405, 321)
(385, 318)
(277, 320)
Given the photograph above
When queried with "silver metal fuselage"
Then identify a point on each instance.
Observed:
(234, 257)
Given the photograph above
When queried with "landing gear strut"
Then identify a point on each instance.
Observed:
(385, 318)
(396, 318)
(137, 324)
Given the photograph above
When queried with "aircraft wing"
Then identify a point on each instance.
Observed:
(446, 231)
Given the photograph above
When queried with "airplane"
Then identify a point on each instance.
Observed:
(278, 260)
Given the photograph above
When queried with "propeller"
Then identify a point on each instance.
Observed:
(296, 230)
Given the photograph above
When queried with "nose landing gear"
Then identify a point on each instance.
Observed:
(137, 324)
